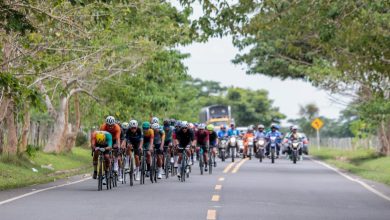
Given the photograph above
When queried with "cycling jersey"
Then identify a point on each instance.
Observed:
(202, 137)
(134, 137)
(168, 133)
(115, 130)
(148, 135)
(158, 136)
(184, 138)
(213, 137)
(107, 143)
(123, 134)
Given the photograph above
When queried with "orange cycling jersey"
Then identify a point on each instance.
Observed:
(115, 130)
(148, 135)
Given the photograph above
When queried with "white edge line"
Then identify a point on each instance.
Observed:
(42, 190)
(365, 185)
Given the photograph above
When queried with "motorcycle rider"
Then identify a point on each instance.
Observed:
(249, 134)
(222, 133)
(273, 133)
(234, 132)
(295, 136)
(260, 133)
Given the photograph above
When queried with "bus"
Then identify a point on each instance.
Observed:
(216, 114)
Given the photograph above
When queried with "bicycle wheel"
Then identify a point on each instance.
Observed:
(183, 168)
(210, 162)
(167, 162)
(100, 174)
(201, 165)
(155, 167)
(131, 171)
(143, 170)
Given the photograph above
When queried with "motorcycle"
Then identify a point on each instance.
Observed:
(250, 147)
(222, 149)
(273, 148)
(260, 145)
(232, 144)
(295, 147)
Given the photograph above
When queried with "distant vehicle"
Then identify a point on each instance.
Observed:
(216, 114)
(242, 130)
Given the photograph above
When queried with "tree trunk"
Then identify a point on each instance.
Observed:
(58, 138)
(71, 136)
(26, 128)
(384, 137)
(12, 138)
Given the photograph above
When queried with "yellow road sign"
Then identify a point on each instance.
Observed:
(317, 124)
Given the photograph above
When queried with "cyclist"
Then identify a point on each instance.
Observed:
(202, 141)
(213, 140)
(183, 138)
(159, 140)
(168, 129)
(273, 133)
(115, 130)
(101, 139)
(148, 135)
(135, 140)
(248, 135)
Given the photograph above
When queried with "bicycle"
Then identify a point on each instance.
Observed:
(101, 166)
(184, 165)
(211, 159)
(143, 166)
(130, 161)
(201, 163)
(167, 162)
(153, 167)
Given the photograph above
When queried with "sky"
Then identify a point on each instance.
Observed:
(212, 61)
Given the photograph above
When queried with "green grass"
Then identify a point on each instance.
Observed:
(17, 171)
(362, 162)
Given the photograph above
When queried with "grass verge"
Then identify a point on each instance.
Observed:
(362, 162)
(17, 171)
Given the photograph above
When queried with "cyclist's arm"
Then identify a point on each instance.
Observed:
(162, 139)
(93, 140)
(151, 140)
(109, 141)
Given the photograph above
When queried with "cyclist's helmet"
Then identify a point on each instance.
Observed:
(173, 122)
(184, 124)
(133, 124)
(145, 125)
(100, 137)
(202, 126)
(210, 127)
(125, 125)
(155, 126)
(190, 125)
(178, 124)
(155, 120)
(110, 120)
(118, 122)
(166, 123)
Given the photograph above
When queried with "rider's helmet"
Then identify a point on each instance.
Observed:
(250, 128)
(260, 126)
(110, 120)
(166, 122)
(222, 127)
(133, 124)
(145, 125)
(154, 120)
(173, 122)
(125, 125)
(294, 127)
(274, 126)
(118, 122)
(201, 126)
(191, 126)
(155, 126)
(178, 123)
(210, 127)
(100, 137)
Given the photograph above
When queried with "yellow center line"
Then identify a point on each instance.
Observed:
(227, 169)
(211, 214)
(215, 198)
(235, 170)
(218, 187)
(221, 179)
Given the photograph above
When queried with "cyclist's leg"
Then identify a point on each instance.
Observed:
(107, 161)
(205, 155)
(95, 163)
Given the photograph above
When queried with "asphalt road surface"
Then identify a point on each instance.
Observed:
(243, 190)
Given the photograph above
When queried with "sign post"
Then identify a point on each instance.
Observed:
(317, 124)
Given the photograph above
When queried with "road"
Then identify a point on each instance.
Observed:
(243, 190)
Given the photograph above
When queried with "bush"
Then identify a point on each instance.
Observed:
(81, 139)
(32, 150)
